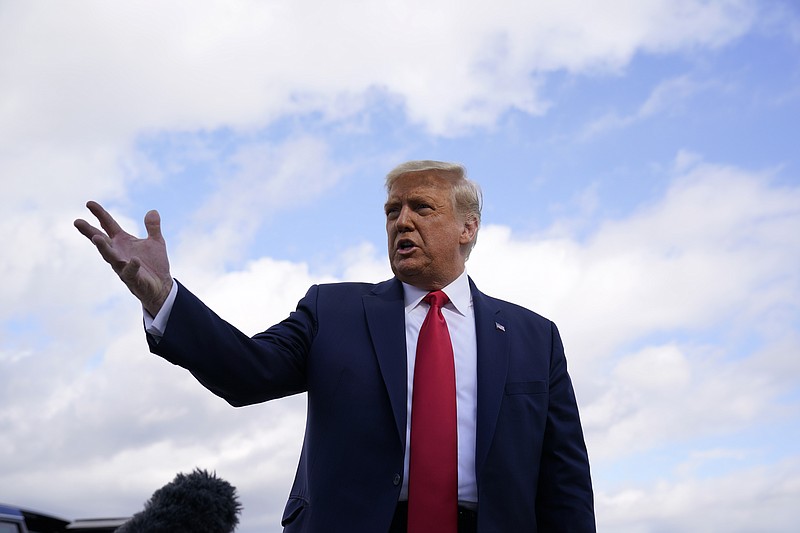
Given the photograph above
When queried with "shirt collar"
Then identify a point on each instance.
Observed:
(458, 291)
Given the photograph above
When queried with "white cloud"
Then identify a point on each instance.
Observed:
(265, 292)
(749, 499)
(705, 268)
(80, 86)
(714, 249)
(668, 395)
(104, 71)
(265, 180)
(655, 370)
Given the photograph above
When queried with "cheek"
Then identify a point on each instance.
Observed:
(390, 237)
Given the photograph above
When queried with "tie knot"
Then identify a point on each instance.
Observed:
(436, 299)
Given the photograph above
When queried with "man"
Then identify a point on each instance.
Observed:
(491, 440)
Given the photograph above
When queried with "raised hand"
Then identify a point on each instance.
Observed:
(142, 264)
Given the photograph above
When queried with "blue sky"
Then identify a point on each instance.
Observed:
(639, 165)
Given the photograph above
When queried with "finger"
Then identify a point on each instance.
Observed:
(152, 223)
(129, 271)
(86, 229)
(107, 222)
(108, 253)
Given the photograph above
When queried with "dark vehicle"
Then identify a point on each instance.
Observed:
(17, 520)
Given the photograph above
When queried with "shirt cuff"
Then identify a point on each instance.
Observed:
(157, 325)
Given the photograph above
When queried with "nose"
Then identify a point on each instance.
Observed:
(404, 222)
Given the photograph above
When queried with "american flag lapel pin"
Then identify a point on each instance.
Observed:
(499, 326)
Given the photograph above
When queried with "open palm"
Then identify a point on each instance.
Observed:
(142, 264)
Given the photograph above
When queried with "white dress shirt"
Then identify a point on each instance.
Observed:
(156, 325)
(460, 318)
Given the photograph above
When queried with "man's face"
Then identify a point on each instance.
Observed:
(426, 235)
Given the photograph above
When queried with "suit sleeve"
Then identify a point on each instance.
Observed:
(565, 497)
(240, 369)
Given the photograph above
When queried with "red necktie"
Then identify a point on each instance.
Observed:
(433, 461)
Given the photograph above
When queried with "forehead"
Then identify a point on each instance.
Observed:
(422, 182)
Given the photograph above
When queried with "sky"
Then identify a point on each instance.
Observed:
(641, 176)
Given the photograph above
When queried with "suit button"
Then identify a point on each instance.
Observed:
(396, 479)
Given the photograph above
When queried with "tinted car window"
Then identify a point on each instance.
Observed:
(7, 527)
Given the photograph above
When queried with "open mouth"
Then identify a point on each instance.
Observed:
(405, 246)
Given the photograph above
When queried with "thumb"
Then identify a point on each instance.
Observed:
(152, 223)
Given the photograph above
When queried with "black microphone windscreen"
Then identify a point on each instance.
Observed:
(199, 502)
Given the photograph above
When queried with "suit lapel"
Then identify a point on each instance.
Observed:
(493, 345)
(385, 312)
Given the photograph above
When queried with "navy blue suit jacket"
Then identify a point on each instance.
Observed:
(345, 346)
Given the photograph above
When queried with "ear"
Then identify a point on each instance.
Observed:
(469, 230)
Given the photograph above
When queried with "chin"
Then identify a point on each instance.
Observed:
(412, 278)
(405, 270)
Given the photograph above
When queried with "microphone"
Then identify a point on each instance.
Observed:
(199, 502)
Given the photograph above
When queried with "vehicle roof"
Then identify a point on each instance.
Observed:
(44, 523)
(13, 512)
(36, 521)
